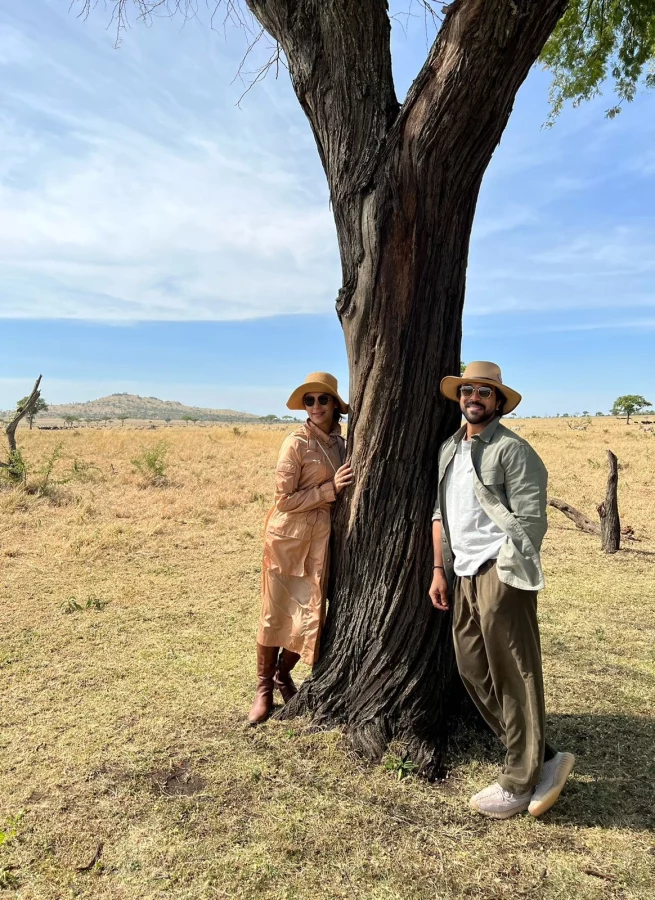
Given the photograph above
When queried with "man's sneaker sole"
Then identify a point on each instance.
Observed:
(564, 769)
(505, 814)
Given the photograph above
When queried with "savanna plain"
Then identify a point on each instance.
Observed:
(130, 576)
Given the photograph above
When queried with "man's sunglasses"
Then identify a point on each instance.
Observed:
(323, 399)
(467, 390)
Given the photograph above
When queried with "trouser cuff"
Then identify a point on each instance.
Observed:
(513, 787)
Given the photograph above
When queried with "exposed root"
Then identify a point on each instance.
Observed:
(371, 739)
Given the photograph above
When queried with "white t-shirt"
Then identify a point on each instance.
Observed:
(474, 538)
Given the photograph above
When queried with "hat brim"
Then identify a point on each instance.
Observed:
(295, 401)
(451, 383)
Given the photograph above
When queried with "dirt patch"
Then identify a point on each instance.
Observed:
(177, 781)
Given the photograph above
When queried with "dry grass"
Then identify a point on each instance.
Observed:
(122, 722)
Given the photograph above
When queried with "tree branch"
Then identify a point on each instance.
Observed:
(339, 58)
(480, 57)
(147, 10)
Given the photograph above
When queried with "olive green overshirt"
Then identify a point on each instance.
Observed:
(510, 483)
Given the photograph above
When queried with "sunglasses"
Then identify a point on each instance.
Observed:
(484, 392)
(309, 399)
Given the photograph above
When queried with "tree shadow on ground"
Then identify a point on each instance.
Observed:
(613, 783)
(636, 551)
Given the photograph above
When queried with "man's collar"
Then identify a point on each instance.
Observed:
(485, 435)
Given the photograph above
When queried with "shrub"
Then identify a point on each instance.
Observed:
(41, 485)
(17, 467)
(83, 471)
(151, 464)
(72, 605)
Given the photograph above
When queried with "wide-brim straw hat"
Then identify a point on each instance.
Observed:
(481, 373)
(320, 382)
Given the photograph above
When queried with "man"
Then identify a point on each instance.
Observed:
(488, 525)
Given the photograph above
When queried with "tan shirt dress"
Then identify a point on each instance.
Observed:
(296, 541)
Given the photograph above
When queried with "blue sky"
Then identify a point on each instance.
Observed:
(158, 238)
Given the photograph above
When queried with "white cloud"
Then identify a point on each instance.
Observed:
(151, 208)
(14, 47)
(131, 188)
(130, 215)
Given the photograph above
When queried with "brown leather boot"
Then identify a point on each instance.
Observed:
(283, 680)
(263, 702)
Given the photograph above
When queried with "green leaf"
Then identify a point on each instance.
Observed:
(600, 40)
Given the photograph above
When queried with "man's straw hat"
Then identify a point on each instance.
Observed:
(317, 382)
(481, 373)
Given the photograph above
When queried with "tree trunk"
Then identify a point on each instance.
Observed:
(25, 410)
(14, 466)
(610, 525)
(404, 184)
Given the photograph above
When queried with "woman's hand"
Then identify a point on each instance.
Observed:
(439, 590)
(343, 477)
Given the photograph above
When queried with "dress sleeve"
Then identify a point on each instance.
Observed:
(287, 478)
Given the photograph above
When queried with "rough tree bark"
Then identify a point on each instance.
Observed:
(610, 524)
(404, 183)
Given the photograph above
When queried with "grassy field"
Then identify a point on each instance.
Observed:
(129, 604)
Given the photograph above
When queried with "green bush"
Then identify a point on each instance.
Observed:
(17, 468)
(151, 464)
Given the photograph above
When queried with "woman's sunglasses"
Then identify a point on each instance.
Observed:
(467, 390)
(323, 399)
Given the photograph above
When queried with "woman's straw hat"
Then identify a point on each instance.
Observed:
(481, 373)
(321, 382)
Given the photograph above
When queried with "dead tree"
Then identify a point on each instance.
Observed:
(10, 430)
(608, 510)
(609, 529)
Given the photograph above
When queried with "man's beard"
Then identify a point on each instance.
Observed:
(479, 416)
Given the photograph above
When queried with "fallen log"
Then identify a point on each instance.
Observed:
(583, 523)
(578, 518)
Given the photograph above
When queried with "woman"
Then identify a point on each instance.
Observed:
(311, 472)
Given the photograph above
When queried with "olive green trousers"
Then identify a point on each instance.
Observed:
(498, 652)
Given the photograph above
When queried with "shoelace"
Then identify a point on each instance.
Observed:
(507, 795)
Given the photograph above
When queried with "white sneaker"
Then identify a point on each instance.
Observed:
(498, 803)
(490, 789)
(553, 778)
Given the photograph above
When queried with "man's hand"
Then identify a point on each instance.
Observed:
(343, 477)
(439, 591)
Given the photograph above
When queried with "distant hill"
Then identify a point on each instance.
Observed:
(135, 407)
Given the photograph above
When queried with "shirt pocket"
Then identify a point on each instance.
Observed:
(287, 543)
(286, 478)
(285, 555)
(492, 474)
(294, 525)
